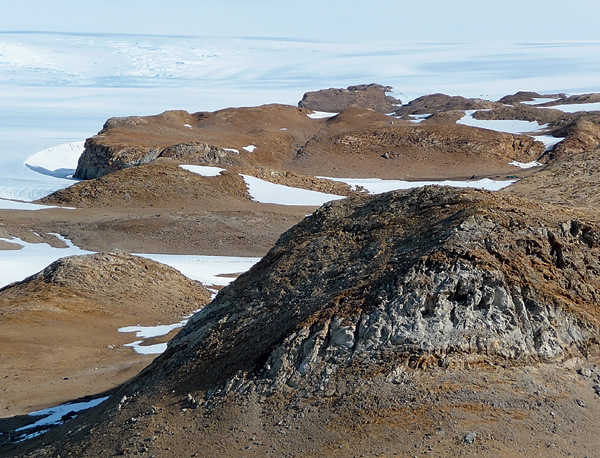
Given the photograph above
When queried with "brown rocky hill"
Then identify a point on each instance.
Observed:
(218, 138)
(436, 320)
(58, 328)
(355, 143)
(370, 96)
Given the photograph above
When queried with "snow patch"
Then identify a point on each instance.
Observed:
(271, 193)
(418, 118)
(249, 148)
(539, 101)
(58, 161)
(321, 115)
(548, 141)
(148, 332)
(56, 416)
(576, 107)
(232, 150)
(154, 349)
(204, 170)
(209, 270)
(525, 165)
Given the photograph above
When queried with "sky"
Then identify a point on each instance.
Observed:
(415, 20)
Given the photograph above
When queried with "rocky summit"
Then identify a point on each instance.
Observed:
(378, 324)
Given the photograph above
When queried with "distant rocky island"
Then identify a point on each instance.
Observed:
(434, 321)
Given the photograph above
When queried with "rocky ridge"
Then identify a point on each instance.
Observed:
(295, 143)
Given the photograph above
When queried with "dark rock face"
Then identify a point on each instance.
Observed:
(98, 160)
(372, 96)
(201, 153)
(434, 276)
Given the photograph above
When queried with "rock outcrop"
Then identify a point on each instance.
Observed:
(59, 328)
(287, 140)
(333, 100)
(216, 138)
(433, 276)
(429, 104)
(524, 113)
(149, 184)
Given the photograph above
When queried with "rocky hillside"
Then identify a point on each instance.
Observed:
(388, 319)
